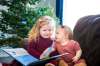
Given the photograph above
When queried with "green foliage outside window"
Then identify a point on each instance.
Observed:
(17, 20)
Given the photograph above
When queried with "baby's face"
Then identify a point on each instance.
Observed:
(60, 34)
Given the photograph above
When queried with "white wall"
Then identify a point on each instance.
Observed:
(74, 9)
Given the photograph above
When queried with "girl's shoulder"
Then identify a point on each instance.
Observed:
(73, 42)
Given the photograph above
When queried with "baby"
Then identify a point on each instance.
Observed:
(65, 44)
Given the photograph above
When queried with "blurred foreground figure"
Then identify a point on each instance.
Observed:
(87, 33)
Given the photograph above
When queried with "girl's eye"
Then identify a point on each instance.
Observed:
(44, 30)
(49, 29)
(57, 33)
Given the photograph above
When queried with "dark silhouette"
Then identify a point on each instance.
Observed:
(87, 33)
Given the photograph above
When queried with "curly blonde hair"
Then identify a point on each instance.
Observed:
(67, 30)
(34, 32)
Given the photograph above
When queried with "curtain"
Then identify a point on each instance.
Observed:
(59, 10)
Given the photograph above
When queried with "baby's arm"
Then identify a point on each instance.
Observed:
(47, 52)
(77, 56)
(1, 64)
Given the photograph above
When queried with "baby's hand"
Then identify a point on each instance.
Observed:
(49, 64)
(42, 56)
(75, 59)
(46, 52)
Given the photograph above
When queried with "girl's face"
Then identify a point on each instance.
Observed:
(46, 31)
(60, 34)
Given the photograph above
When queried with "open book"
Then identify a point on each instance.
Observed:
(22, 56)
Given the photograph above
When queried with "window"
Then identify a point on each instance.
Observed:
(74, 9)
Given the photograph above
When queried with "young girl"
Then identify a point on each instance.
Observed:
(39, 37)
(65, 44)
